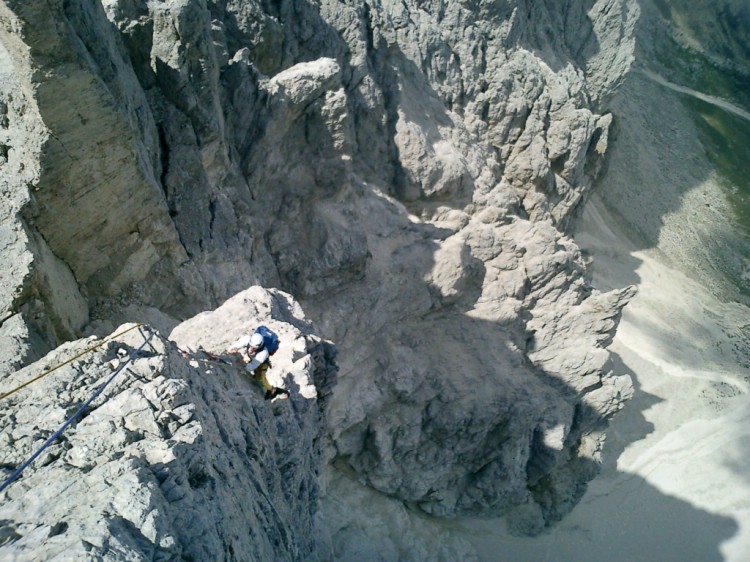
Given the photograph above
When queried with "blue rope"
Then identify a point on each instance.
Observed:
(72, 418)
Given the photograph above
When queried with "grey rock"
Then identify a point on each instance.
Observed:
(409, 171)
(173, 460)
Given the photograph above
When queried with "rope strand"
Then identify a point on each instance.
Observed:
(84, 352)
(72, 418)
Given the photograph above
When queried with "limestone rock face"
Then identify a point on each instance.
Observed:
(177, 459)
(407, 170)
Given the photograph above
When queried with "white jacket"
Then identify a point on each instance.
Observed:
(255, 360)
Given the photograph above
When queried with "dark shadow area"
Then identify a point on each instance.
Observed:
(560, 34)
(644, 525)
(621, 517)
(630, 424)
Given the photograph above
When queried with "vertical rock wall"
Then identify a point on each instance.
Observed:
(40, 302)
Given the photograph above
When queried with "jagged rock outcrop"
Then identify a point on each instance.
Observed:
(177, 459)
(408, 170)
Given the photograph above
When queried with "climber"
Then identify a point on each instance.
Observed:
(255, 351)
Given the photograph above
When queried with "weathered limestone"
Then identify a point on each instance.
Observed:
(407, 170)
(177, 458)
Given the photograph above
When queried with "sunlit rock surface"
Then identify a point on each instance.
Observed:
(408, 171)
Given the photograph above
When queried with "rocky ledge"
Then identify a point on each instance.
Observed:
(178, 458)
